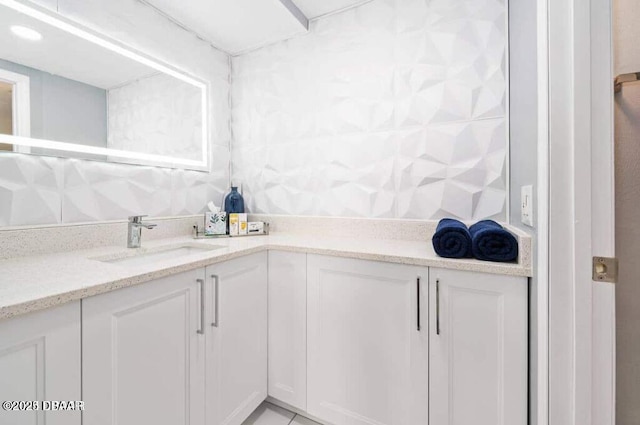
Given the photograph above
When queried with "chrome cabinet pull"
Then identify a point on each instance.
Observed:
(437, 306)
(201, 283)
(216, 280)
(418, 302)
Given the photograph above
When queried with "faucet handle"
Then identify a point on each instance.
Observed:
(136, 218)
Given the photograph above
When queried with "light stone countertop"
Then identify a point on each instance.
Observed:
(33, 283)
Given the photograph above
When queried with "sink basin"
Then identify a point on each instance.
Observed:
(136, 258)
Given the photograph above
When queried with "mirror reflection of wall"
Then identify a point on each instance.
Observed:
(150, 114)
(154, 114)
(111, 104)
(63, 109)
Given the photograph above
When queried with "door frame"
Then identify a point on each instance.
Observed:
(581, 213)
(539, 398)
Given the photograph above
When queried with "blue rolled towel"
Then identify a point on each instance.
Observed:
(492, 242)
(452, 239)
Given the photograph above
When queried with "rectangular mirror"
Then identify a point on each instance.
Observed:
(67, 91)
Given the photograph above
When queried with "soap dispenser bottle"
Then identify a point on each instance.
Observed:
(234, 202)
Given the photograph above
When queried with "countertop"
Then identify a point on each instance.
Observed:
(33, 283)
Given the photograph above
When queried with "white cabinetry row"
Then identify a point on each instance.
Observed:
(390, 344)
(350, 342)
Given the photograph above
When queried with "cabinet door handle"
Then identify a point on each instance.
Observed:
(418, 303)
(201, 284)
(216, 281)
(437, 306)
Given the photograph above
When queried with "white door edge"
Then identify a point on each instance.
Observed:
(581, 221)
(603, 210)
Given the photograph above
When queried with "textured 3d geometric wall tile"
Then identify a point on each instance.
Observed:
(30, 190)
(43, 190)
(95, 191)
(392, 109)
(101, 191)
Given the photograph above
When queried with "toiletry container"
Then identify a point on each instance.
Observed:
(234, 202)
(242, 224)
(234, 224)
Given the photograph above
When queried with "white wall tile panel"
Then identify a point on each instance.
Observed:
(100, 191)
(392, 109)
(453, 169)
(95, 191)
(290, 178)
(30, 190)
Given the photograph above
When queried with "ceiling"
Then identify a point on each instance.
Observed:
(237, 26)
(314, 8)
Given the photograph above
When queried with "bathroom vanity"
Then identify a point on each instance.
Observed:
(348, 335)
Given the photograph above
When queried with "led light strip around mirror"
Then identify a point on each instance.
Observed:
(157, 160)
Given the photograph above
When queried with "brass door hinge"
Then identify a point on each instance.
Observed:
(605, 269)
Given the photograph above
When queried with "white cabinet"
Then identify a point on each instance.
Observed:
(40, 360)
(478, 349)
(188, 349)
(236, 347)
(288, 328)
(143, 358)
(367, 342)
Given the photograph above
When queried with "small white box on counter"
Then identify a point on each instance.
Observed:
(256, 227)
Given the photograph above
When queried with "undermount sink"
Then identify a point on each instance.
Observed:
(136, 258)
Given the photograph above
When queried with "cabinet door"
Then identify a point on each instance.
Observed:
(478, 349)
(143, 358)
(236, 339)
(40, 360)
(288, 328)
(367, 342)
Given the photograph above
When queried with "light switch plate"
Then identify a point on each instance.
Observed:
(526, 205)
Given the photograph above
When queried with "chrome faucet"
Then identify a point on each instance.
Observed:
(134, 234)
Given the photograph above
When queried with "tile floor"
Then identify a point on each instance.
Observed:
(270, 414)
